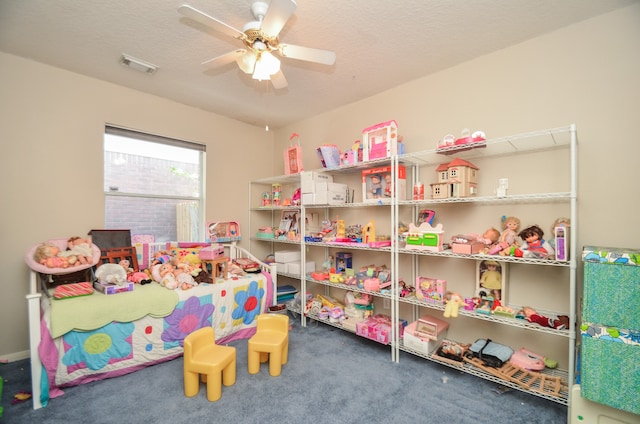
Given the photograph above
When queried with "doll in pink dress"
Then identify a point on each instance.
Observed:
(508, 237)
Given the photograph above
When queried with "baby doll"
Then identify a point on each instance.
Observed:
(509, 236)
(137, 277)
(81, 249)
(183, 273)
(161, 257)
(534, 245)
(47, 254)
(490, 237)
(531, 315)
(167, 276)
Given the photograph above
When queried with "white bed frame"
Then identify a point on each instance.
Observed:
(33, 305)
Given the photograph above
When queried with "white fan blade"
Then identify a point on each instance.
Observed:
(225, 59)
(278, 80)
(209, 21)
(308, 54)
(277, 15)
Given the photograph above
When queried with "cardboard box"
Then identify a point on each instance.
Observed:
(350, 323)
(376, 184)
(285, 256)
(308, 179)
(295, 268)
(467, 248)
(427, 344)
(110, 288)
(328, 193)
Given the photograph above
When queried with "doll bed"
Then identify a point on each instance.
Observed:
(67, 353)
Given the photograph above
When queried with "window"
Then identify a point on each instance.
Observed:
(154, 185)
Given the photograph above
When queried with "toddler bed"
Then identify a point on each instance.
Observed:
(79, 340)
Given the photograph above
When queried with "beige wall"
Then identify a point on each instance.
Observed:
(51, 127)
(587, 74)
(51, 124)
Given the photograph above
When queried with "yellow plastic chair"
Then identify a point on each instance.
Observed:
(270, 343)
(215, 364)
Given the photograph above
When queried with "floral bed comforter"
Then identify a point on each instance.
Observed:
(119, 348)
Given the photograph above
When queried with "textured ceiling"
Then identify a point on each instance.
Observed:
(379, 45)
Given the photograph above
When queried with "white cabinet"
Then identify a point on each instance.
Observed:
(541, 168)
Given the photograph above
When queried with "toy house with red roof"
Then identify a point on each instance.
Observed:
(458, 178)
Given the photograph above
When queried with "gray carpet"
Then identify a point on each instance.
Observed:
(332, 376)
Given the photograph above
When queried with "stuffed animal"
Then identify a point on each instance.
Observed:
(47, 254)
(111, 274)
(453, 305)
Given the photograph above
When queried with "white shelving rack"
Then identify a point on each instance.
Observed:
(562, 138)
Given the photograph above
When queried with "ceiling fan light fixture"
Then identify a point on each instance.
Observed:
(266, 66)
(247, 62)
(137, 64)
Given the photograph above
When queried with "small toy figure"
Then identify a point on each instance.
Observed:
(297, 197)
(369, 232)
(531, 315)
(376, 186)
(266, 199)
(340, 228)
(387, 187)
(534, 245)
(454, 300)
(405, 289)
(326, 265)
(509, 236)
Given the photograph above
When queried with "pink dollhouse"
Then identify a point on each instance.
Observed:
(458, 178)
(380, 141)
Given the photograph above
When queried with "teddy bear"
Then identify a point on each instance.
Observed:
(111, 274)
(47, 254)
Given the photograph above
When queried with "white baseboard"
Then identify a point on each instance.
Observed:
(17, 356)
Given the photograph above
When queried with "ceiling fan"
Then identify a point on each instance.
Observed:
(260, 39)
